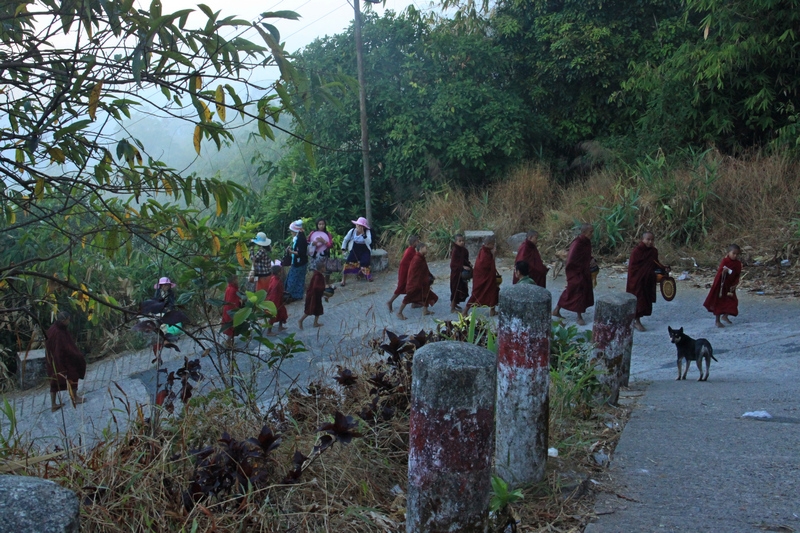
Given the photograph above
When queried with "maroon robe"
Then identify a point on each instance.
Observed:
(402, 270)
(529, 253)
(459, 288)
(232, 303)
(642, 278)
(316, 289)
(728, 303)
(579, 294)
(275, 295)
(418, 284)
(63, 360)
(485, 290)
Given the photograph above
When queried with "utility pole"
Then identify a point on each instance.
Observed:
(362, 98)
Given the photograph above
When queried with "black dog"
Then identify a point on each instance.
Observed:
(691, 350)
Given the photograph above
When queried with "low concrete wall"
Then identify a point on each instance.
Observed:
(31, 370)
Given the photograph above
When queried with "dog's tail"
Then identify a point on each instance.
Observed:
(711, 352)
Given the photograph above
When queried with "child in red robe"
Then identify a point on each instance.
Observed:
(232, 303)
(316, 290)
(721, 299)
(485, 290)
(579, 293)
(418, 285)
(529, 252)
(642, 277)
(275, 295)
(459, 263)
(402, 270)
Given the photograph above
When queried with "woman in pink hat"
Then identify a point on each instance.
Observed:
(357, 244)
(164, 293)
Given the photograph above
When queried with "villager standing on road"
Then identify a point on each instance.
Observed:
(418, 285)
(402, 269)
(296, 280)
(529, 252)
(64, 361)
(579, 294)
(460, 272)
(275, 295)
(357, 244)
(262, 268)
(316, 289)
(721, 299)
(320, 240)
(485, 289)
(642, 277)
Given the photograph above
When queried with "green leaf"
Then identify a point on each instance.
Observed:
(241, 315)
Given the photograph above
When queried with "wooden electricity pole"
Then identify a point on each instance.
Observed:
(362, 98)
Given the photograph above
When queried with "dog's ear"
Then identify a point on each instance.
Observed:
(680, 331)
(670, 330)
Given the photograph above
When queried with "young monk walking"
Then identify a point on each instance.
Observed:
(529, 252)
(64, 362)
(418, 285)
(232, 303)
(402, 270)
(485, 291)
(316, 290)
(579, 294)
(642, 277)
(721, 299)
(459, 263)
(275, 295)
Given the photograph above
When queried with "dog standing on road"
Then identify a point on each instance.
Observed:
(691, 350)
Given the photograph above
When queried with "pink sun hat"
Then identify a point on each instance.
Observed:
(361, 222)
(163, 281)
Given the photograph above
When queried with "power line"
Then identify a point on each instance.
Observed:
(317, 20)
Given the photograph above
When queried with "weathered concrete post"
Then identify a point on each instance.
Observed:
(612, 334)
(451, 438)
(35, 505)
(523, 381)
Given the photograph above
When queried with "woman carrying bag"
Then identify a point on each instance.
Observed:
(296, 280)
(357, 245)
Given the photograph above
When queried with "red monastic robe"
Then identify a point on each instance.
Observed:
(232, 303)
(402, 270)
(721, 299)
(529, 253)
(63, 360)
(418, 285)
(579, 294)
(459, 288)
(642, 278)
(275, 295)
(484, 280)
(314, 295)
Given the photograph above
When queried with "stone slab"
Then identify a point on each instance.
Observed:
(31, 371)
(34, 505)
(473, 240)
(379, 261)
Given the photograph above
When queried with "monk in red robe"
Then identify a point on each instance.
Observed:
(418, 285)
(579, 294)
(642, 277)
(275, 293)
(316, 290)
(529, 252)
(232, 303)
(721, 299)
(65, 364)
(459, 263)
(402, 270)
(485, 291)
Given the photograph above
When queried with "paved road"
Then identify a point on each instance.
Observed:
(686, 461)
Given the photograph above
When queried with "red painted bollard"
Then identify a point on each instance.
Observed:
(451, 438)
(612, 335)
(523, 381)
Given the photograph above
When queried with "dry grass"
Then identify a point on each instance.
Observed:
(752, 201)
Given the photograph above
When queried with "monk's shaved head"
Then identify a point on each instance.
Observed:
(650, 233)
(586, 228)
(532, 234)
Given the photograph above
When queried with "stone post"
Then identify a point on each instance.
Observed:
(523, 381)
(35, 505)
(451, 438)
(473, 241)
(612, 335)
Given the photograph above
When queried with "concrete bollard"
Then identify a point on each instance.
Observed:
(612, 334)
(34, 505)
(523, 381)
(451, 438)
(473, 241)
